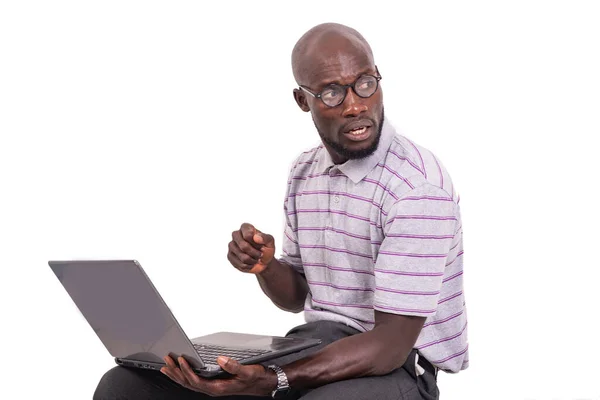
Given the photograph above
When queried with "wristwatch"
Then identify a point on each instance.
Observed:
(283, 386)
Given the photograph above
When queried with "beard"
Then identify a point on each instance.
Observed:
(353, 154)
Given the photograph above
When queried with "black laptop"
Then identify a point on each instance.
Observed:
(130, 317)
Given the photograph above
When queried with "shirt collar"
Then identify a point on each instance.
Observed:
(358, 169)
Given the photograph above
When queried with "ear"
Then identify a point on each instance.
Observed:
(301, 100)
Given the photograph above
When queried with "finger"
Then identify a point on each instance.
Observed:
(169, 361)
(244, 257)
(168, 371)
(173, 374)
(264, 239)
(247, 231)
(173, 371)
(268, 248)
(268, 254)
(230, 365)
(189, 374)
(240, 266)
(247, 246)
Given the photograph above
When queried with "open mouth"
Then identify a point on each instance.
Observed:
(359, 133)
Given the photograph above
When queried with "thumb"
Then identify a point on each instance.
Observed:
(264, 239)
(229, 365)
(267, 247)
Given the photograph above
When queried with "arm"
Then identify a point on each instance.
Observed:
(387, 346)
(286, 287)
(253, 251)
(376, 352)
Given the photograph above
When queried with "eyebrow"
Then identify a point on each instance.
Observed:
(324, 83)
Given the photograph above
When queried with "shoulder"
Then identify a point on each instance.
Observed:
(419, 165)
(305, 160)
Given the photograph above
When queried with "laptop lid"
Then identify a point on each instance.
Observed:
(125, 310)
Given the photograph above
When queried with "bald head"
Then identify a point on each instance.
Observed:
(325, 40)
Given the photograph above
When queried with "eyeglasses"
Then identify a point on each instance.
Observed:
(334, 94)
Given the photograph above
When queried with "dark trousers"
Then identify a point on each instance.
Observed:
(403, 383)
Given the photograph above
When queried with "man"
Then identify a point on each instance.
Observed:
(372, 253)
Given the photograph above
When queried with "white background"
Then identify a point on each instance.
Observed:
(151, 130)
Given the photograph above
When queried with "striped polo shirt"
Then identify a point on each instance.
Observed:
(380, 233)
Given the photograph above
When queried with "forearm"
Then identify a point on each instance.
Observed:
(376, 352)
(284, 286)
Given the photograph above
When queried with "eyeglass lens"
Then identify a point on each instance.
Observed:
(364, 86)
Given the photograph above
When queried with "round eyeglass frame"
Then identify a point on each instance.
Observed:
(377, 77)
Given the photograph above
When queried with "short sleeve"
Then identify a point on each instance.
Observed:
(418, 231)
(290, 253)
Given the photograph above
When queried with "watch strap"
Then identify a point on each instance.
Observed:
(283, 386)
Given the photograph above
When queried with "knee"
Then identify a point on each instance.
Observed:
(112, 384)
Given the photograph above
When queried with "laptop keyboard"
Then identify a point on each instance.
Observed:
(209, 353)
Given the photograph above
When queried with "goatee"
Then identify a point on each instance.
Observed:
(353, 154)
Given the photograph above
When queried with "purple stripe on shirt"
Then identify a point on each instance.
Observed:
(313, 150)
(430, 217)
(341, 269)
(453, 247)
(416, 255)
(326, 311)
(385, 189)
(408, 273)
(334, 230)
(310, 176)
(455, 295)
(426, 198)
(459, 273)
(458, 230)
(359, 324)
(307, 162)
(460, 353)
(339, 287)
(340, 175)
(411, 310)
(331, 303)
(440, 171)
(313, 161)
(410, 185)
(441, 321)
(290, 238)
(339, 212)
(420, 157)
(335, 250)
(330, 193)
(290, 255)
(443, 339)
(406, 159)
(409, 236)
(317, 210)
(460, 253)
(411, 292)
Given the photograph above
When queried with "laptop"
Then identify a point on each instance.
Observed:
(137, 327)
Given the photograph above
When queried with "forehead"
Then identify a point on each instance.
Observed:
(340, 60)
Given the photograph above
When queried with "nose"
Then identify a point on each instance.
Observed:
(353, 105)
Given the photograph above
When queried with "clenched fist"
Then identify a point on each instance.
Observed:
(250, 250)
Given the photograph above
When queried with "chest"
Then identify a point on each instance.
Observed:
(334, 214)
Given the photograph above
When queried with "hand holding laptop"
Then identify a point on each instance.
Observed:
(252, 380)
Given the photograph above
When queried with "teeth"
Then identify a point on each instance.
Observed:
(358, 131)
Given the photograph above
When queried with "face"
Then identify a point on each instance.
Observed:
(352, 129)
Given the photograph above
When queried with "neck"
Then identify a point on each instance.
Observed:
(335, 157)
